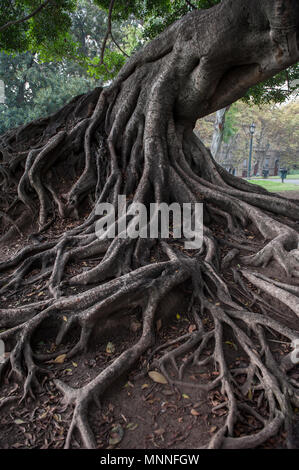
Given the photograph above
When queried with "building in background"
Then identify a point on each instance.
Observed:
(266, 159)
(263, 159)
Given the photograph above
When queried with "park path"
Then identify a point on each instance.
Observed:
(287, 180)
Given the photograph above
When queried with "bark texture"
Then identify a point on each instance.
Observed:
(136, 138)
(218, 132)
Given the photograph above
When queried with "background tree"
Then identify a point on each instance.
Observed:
(276, 129)
(37, 84)
(34, 89)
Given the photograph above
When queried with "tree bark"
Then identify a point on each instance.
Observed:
(136, 138)
(218, 132)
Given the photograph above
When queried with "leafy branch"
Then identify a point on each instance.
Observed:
(26, 18)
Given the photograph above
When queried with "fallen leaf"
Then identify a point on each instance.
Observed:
(128, 384)
(167, 392)
(60, 359)
(233, 345)
(110, 348)
(43, 416)
(194, 412)
(160, 432)
(157, 377)
(117, 433)
(135, 326)
(132, 426)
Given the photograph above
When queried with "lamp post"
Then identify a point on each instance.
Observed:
(252, 130)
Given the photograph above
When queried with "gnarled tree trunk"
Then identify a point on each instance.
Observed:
(136, 138)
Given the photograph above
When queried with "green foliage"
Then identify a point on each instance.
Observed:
(166, 12)
(113, 62)
(276, 89)
(231, 123)
(50, 23)
(63, 42)
(34, 89)
(133, 38)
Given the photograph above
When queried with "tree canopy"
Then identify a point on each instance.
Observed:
(46, 28)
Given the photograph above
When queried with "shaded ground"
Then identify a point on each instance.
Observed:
(290, 194)
(137, 412)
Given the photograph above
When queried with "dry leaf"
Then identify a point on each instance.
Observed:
(129, 384)
(132, 426)
(157, 377)
(117, 433)
(135, 326)
(60, 359)
(160, 432)
(233, 345)
(110, 348)
(185, 396)
(19, 421)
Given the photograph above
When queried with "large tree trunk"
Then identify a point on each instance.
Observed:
(136, 138)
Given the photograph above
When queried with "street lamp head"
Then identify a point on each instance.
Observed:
(252, 128)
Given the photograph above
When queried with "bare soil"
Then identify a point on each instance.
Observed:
(136, 413)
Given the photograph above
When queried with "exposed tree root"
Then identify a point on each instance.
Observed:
(135, 138)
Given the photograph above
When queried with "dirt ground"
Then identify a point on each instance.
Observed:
(137, 412)
(290, 194)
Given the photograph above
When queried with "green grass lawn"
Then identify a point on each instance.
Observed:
(291, 177)
(276, 187)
